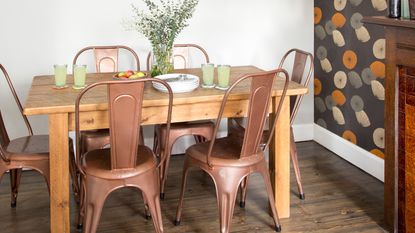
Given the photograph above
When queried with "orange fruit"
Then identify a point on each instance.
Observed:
(378, 153)
(338, 97)
(349, 59)
(338, 19)
(349, 136)
(317, 86)
(378, 69)
(318, 14)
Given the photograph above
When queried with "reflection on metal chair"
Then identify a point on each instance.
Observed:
(106, 60)
(301, 73)
(106, 57)
(181, 57)
(126, 163)
(200, 130)
(229, 160)
(30, 151)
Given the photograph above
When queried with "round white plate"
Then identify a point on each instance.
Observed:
(179, 83)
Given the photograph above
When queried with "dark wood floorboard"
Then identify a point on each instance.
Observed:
(339, 198)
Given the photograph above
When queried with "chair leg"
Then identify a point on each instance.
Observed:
(141, 142)
(226, 192)
(184, 180)
(43, 169)
(151, 195)
(146, 208)
(81, 206)
(15, 176)
(74, 176)
(156, 140)
(294, 158)
(164, 168)
(95, 199)
(243, 189)
(267, 180)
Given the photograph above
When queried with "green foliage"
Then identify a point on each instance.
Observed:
(163, 20)
(161, 23)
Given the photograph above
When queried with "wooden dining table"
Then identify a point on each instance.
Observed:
(200, 104)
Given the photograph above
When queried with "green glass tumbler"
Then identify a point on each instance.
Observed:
(79, 76)
(208, 71)
(224, 72)
(60, 75)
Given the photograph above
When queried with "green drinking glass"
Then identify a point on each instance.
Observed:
(60, 75)
(208, 71)
(224, 72)
(79, 76)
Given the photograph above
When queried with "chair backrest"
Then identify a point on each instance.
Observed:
(300, 74)
(181, 55)
(4, 137)
(258, 106)
(125, 100)
(106, 57)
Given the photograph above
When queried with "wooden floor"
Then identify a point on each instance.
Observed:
(339, 198)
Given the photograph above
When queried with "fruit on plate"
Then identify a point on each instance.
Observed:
(121, 75)
(137, 75)
(130, 74)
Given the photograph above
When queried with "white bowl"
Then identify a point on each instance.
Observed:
(179, 83)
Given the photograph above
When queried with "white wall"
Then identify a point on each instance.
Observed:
(37, 34)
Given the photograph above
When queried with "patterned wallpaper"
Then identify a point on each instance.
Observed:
(350, 71)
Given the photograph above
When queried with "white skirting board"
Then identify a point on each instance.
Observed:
(359, 157)
(303, 132)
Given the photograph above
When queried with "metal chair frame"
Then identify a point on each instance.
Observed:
(229, 170)
(113, 51)
(125, 151)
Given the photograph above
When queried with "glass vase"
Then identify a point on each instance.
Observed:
(162, 60)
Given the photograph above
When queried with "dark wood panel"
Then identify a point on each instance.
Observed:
(410, 120)
(399, 121)
(385, 21)
(340, 198)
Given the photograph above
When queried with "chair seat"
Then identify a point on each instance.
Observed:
(236, 128)
(98, 163)
(225, 153)
(29, 148)
(94, 139)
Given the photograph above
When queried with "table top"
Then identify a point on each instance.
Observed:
(44, 99)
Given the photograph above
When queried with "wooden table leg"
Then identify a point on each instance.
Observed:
(59, 173)
(279, 158)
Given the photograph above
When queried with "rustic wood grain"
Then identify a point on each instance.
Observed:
(59, 177)
(279, 165)
(43, 99)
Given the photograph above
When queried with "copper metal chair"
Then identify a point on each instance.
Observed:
(106, 60)
(300, 74)
(126, 163)
(30, 151)
(200, 130)
(181, 55)
(227, 160)
(106, 57)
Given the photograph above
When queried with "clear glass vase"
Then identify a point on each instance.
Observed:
(162, 60)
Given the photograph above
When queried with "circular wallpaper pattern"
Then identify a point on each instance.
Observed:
(350, 70)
